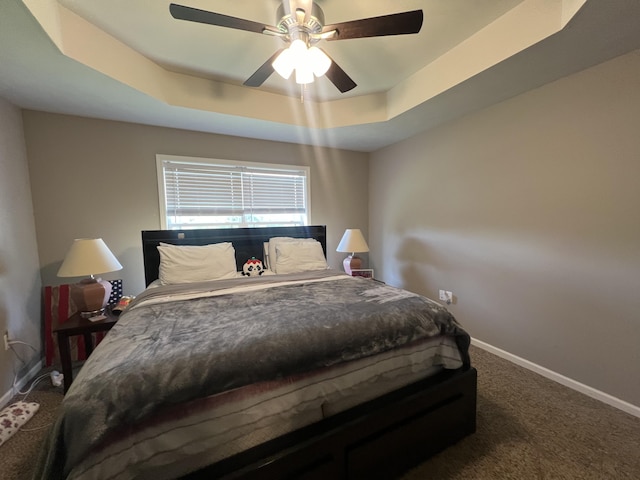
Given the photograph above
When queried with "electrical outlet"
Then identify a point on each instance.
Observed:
(6, 340)
(446, 296)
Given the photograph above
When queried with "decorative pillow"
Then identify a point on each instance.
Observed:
(274, 242)
(253, 267)
(194, 263)
(293, 257)
(15, 416)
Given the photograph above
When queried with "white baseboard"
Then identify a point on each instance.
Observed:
(556, 377)
(6, 398)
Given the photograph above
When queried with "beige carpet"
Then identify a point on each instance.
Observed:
(528, 428)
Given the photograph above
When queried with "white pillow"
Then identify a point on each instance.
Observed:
(194, 263)
(265, 248)
(273, 243)
(302, 256)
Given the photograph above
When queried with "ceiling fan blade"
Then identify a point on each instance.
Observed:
(394, 24)
(339, 77)
(264, 72)
(191, 14)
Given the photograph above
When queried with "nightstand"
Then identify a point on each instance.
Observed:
(76, 325)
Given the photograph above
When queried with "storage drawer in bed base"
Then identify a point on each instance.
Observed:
(379, 439)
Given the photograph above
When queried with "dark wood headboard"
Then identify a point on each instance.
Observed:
(248, 242)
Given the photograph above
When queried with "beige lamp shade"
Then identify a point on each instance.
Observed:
(89, 256)
(352, 241)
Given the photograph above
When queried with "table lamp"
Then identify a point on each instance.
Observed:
(89, 256)
(352, 241)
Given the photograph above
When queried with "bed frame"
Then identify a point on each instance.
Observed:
(382, 438)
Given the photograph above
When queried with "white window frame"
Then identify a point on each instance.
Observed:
(161, 160)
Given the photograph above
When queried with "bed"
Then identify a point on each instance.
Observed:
(300, 372)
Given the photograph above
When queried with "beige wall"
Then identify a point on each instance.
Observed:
(20, 285)
(529, 212)
(98, 178)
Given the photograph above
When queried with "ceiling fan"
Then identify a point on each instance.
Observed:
(300, 24)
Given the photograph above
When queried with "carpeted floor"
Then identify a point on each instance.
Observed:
(528, 428)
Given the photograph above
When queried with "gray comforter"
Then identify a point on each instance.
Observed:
(162, 354)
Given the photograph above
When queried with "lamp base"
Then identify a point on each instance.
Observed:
(92, 314)
(351, 262)
(90, 296)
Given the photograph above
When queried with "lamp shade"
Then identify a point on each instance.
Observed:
(319, 61)
(352, 241)
(284, 63)
(88, 256)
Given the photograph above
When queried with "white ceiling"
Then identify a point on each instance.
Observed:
(376, 64)
(130, 60)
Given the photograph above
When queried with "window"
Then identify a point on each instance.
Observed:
(207, 193)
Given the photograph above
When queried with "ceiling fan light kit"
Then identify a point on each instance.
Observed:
(301, 25)
(307, 62)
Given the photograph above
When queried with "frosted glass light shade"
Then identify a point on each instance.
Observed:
(290, 59)
(319, 61)
(298, 51)
(283, 64)
(88, 256)
(304, 74)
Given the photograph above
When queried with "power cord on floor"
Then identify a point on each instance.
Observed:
(55, 376)
(36, 428)
(11, 344)
(33, 384)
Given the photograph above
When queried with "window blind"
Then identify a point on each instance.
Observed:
(221, 194)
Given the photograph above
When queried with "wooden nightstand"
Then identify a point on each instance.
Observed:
(76, 325)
